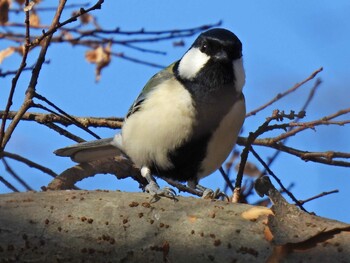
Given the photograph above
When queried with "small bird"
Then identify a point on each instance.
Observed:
(187, 118)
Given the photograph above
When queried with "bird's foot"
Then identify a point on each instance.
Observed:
(208, 193)
(156, 192)
(153, 188)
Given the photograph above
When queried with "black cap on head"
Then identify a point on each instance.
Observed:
(220, 34)
(209, 42)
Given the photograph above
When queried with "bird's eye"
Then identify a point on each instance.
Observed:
(204, 47)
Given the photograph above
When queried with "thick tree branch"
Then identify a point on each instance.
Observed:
(98, 226)
(119, 166)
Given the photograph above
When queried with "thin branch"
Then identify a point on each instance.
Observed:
(283, 94)
(182, 187)
(15, 175)
(64, 114)
(95, 39)
(312, 124)
(55, 26)
(319, 157)
(136, 60)
(5, 137)
(29, 163)
(23, 64)
(277, 179)
(38, 8)
(193, 30)
(248, 142)
(227, 179)
(305, 106)
(146, 50)
(64, 132)
(8, 184)
(14, 72)
(265, 127)
(318, 196)
(44, 118)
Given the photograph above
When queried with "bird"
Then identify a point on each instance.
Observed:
(187, 118)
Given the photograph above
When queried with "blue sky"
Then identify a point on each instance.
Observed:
(283, 43)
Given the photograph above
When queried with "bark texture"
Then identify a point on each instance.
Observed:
(103, 226)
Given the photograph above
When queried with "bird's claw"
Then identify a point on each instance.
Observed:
(210, 194)
(156, 192)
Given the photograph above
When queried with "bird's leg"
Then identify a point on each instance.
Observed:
(207, 193)
(153, 188)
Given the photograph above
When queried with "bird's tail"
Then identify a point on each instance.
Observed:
(93, 150)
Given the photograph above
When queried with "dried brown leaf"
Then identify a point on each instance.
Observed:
(6, 53)
(101, 57)
(67, 35)
(91, 55)
(20, 50)
(34, 19)
(86, 18)
(20, 2)
(250, 169)
(4, 11)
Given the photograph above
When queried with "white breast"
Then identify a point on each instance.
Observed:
(163, 123)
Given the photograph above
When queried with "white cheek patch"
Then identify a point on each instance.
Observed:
(239, 73)
(191, 63)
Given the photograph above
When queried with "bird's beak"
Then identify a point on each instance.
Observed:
(222, 55)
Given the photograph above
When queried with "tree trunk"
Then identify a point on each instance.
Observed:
(105, 226)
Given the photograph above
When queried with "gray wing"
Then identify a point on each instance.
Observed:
(158, 78)
(93, 150)
(99, 149)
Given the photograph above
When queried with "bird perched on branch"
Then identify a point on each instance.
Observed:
(187, 118)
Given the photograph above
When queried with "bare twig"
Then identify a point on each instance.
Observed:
(226, 178)
(277, 179)
(136, 60)
(57, 24)
(15, 175)
(318, 196)
(5, 136)
(38, 8)
(64, 132)
(63, 114)
(44, 118)
(29, 163)
(182, 187)
(306, 104)
(14, 72)
(23, 64)
(320, 157)
(8, 184)
(265, 127)
(310, 125)
(281, 95)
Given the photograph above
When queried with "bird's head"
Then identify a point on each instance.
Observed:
(213, 50)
